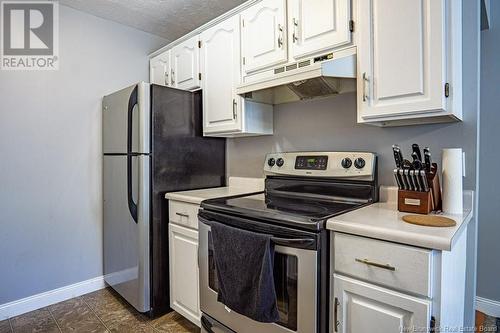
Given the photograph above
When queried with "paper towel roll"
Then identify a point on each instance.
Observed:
(452, 181)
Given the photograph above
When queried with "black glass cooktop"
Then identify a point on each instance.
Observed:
(311, 213)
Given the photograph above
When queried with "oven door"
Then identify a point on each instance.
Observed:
(295, 276)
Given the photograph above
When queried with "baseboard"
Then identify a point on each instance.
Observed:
(488, 306)
(31, 303)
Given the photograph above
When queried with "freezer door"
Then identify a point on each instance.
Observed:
(126, 119)
(126, 238)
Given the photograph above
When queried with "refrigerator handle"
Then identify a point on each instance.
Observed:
(132, 102)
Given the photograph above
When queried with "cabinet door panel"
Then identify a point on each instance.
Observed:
(220, 65)
(185, 64)
(160, 69)
(318, 25)
(363, 308)
(263, 35)
(401, 64)
(184, 275)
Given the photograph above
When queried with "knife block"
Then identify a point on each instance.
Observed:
(422, 202)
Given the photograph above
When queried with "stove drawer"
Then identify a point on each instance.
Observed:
(185, 214)
(396, 266)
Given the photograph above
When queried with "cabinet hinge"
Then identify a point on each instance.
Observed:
(199, 76)
(432, 325)
(244, 60)
(243, 23)
(446, 89)
(351, 26)
(199, 44)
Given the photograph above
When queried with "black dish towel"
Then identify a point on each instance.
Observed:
(244, 263)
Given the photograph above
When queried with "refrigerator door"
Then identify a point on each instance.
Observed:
(126, 238)
(126, 121)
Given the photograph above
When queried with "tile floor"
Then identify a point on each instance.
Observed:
(100, 311)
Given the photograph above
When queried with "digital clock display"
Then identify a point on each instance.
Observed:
(311, 162)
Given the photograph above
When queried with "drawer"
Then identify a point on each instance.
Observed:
(185, 214)
(396, 266)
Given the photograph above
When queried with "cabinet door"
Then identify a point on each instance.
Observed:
(263, 31)
(185, 64)
(318, 25)
(360, 307)
(159, 69)
(220, 65)
(401, 50)
(184, 273)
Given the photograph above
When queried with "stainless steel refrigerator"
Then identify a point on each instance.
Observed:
(152, 144)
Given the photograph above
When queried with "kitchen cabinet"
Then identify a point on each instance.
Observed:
(184, 273)
(409, 63)
(224, 112)
(360, 307)
(263, 35)
(159, 69)
(185, 64)
(383, 287)
(316, 26)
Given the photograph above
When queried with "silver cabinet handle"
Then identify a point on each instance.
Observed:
(376, 264)
(235, 109)
(365, 82)
(280, 36)
(172, 78)
(295, 26)
(182, 215)
(336, 315)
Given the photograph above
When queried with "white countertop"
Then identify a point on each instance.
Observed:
(236, 186)
(383, 221)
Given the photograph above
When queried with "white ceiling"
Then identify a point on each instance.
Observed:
(169, 19)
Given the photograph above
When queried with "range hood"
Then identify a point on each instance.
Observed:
(321, 76)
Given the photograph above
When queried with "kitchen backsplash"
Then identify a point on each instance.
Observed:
(330, 124)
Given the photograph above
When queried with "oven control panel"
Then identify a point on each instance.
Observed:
(360, 165)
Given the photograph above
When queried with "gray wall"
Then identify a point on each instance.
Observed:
(489, 194)
(330, 124)
(50, 143)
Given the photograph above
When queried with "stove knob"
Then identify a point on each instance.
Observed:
(346, 163)
(280, 162)
(271, 162)
(359, 163)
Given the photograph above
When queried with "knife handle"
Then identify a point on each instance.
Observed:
(398, 181)
(428, 161)
(423, 176)
(404, 180)
(416, 149)
(397, 156)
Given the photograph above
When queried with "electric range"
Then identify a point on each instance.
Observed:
(302, 191)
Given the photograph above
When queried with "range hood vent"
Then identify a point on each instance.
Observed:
(318, 77)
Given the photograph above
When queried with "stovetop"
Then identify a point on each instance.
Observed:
(300, 212)
(304, 190)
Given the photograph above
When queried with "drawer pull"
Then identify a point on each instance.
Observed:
(376, 264)
(182, 215)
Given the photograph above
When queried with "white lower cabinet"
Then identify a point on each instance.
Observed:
(184, 274)
(385, 287)
(361, 307)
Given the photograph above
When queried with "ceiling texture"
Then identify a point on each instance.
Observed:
(169, 19)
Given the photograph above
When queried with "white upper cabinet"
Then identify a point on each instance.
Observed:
(318, 25)
(409, 61)
(263, 35)
(159, 68)
(220, 65)
(185, 67)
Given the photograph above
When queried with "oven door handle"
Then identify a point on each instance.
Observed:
(293, 242)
